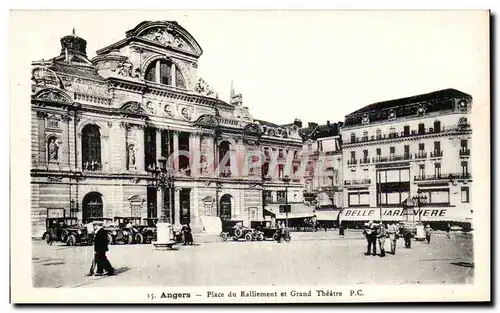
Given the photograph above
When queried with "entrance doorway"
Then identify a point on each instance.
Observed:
(225, 207)
(92, 206)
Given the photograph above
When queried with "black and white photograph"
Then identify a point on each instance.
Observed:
(250, 156)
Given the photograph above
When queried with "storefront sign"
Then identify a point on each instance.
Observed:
(396, 214)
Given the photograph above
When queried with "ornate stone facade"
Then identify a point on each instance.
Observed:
(99, 126)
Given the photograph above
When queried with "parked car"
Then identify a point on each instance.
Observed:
(234, 229)
(265, 230)
(149, 231)
(54, 228)
(79, 235)
(132, 227)
(115, 234)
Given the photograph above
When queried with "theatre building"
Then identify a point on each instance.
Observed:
(411, 147)
(100, 125)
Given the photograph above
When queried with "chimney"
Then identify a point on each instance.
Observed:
(297, 122)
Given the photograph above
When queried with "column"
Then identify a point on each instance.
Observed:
(140, 154)
(174, 81)
(177, 206)
(195, 154)
(159, 203)
(159, 133)
(176, 150)
(123, 147)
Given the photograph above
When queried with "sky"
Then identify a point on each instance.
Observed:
(312, 65)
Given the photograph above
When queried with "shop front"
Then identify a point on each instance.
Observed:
(438, 217)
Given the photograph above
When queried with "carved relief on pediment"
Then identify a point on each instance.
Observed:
(167, 37)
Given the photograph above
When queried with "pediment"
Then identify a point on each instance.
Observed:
(207, 120)
(134, 108)
(168, 34)
(53, 95)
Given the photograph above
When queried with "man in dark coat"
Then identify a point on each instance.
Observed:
(100, 248)
(371, 237)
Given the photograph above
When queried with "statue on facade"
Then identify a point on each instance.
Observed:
(131, 156)
(124, 69)
(203, 88)
(53, 150)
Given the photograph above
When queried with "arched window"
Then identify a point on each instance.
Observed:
(224, 159)
(166, 73)
(91, 148)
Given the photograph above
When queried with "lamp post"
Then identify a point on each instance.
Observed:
(286, 180)
(163, 179)
(409, 204)
(71, 207)
(420, 199)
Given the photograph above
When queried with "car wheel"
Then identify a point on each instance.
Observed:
(71, 240)
(139, 238)
(45, 236)
(275, 236)
(110, 239)
(223, 236)
(248, 237)
(238, 232)
(130, 239)
(261, 237)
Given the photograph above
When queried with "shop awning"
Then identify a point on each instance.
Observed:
(430, 214)
(327, 215)
(298, 210)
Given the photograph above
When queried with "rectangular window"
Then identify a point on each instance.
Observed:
(365, 135)
(379, 133)
(421, 147)
(281, 196)
(421, 128)
(437, 126)
(437, 170)
(463, 144)
(353, 137)
(353, 155)
(407, 151)
(406, 130)
(437, 146)
(379, 151)
(365, 154)
(439, 196)
(165, 74)
(465, 194)
(421, 170)
(359, 199)
(392, 150)
(393, 198)
(405, 175)
(465, 169)
(392, 176)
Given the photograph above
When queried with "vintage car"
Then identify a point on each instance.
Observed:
(135, 229)
(115, 234)
(264, 230)
(408, 226)
(68, 231)
(54, 228)
(148, 230)
(79, 235)
(234, 229)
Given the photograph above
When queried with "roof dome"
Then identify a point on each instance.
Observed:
(73, 45)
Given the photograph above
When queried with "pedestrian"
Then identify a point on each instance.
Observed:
(341, 231)
(428, 233)
(381, 235)
(407, 236)
(392, 232)
(100, 249)
(448, 229)
(371, 238)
